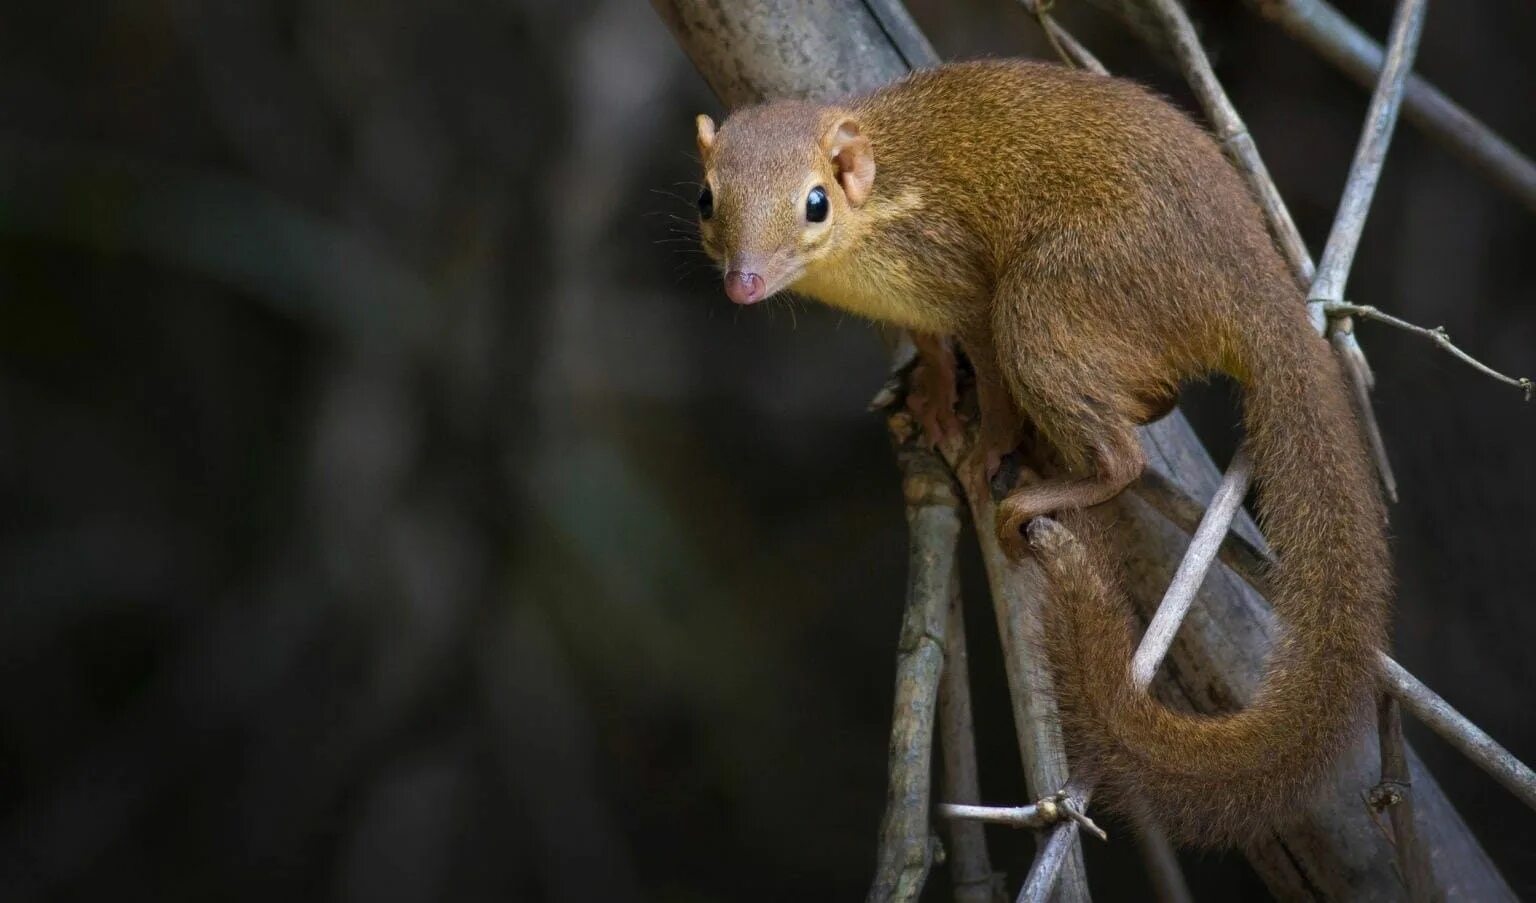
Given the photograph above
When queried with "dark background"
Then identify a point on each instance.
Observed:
(393, 510)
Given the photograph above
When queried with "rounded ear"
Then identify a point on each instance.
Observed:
(854, 158)
(706, 134)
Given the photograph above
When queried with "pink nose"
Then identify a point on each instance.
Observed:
(743, 288)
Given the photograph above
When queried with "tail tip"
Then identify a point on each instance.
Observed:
(1048, 537)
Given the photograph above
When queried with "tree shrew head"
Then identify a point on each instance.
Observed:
(783, 185)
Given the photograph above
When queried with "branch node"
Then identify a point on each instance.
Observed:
(1069, 807)
(1386, 794)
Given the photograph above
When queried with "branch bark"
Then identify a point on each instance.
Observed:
(970, 868)
(906, 850)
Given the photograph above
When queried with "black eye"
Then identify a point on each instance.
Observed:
(816, 206)
(706, 203)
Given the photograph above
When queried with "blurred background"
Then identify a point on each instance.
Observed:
(394, 509)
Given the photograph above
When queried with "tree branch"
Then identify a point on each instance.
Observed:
(906, 850)
(1396, 792)
(970, 868)
(1438, 335)
(1337, 40)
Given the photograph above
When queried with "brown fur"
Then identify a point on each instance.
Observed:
(1091, 249)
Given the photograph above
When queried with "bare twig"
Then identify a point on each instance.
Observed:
(1058, 807)
(1231, 131)
(1370, 155)
(1060, 845)
(1035, 815)
(1473, 742)
(1438, 335)
(1395, 792)
(1203, 547)
(1342, 337)
(1067, 47)
(1249, 561)
(1321, 27)
(970, 868)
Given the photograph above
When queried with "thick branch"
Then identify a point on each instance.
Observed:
(1018, 591)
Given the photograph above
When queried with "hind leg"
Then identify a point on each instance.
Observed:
(1113, 454)
(1001, 423)
(1073, 399)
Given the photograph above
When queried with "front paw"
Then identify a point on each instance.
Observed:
(931, 398)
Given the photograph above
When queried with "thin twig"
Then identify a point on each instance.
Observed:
(1059, 846)
(1035, 815)
(1438, 335)
(1056, 808)
(1473, 742)
(1342, 337)
(1395, 792)
(906, 850)
(1067, 47)
(1232, 132)
(1249, 561)
(970, 868)
(1337, 40)
(1370, 155)
(1203, 547)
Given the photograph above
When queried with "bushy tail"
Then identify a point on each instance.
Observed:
(1220, 779)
